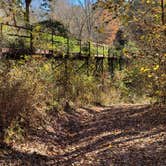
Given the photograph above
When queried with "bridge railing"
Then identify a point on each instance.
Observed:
(37, 41)
(13, 35)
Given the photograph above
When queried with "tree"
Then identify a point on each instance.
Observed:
(10, 11)
(105, 26)
(27, 6)
(45, 5)
(163, 12)
(144, 24)
(90, 16)
(61, 10)
(78, 23)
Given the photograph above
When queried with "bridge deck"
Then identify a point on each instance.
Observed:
(13, 52)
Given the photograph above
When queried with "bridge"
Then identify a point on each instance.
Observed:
(16, 41)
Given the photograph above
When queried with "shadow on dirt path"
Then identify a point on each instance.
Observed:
(99, 136)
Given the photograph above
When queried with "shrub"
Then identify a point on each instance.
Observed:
(24, 92)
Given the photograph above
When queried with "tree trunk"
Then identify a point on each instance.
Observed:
(27, 6)
(2, 136)
(2, 130)
(162, 12)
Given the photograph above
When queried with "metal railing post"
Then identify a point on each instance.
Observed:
(80, 47)
(1, 31)
(68, 46)
(52, 40)
(103, 51)
(31, 38)
(89, 49)
(1, 38)
(97, 49)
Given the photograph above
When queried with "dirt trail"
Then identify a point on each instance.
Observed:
(126, 135)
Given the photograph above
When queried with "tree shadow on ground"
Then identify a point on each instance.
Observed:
(10, 156)
(131, 119)
(137, 156)
(116, 126)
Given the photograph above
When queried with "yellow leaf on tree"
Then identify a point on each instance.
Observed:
(46, 67)
(156, 67)
(142, 69)
(150, 76)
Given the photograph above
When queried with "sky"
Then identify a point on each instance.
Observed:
(36, 3)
